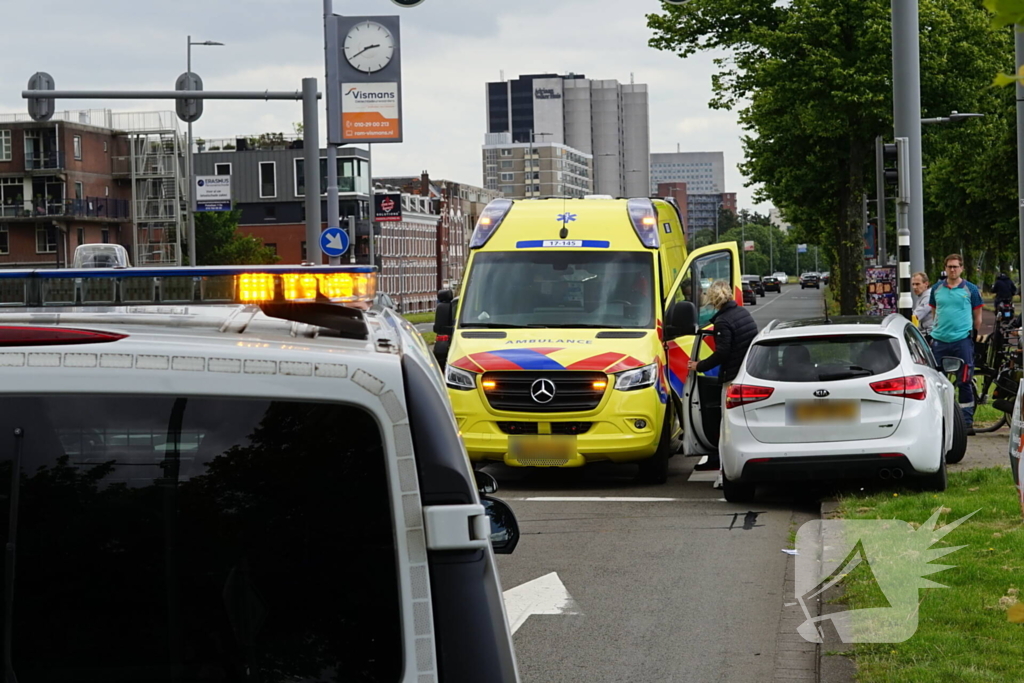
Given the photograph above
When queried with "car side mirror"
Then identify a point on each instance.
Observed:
(485, 483)
(504, 527)
(951, 364)
(681, 320)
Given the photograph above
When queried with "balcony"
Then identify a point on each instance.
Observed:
(44, 161)
(97, 208)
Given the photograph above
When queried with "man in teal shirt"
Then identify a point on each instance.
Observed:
(957, 306)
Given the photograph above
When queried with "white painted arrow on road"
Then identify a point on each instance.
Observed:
(544, 595)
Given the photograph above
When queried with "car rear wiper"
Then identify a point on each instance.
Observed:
(852, 371)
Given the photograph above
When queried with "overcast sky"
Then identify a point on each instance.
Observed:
(451, 48)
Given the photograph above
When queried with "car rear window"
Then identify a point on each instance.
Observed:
(824, 358)
(197, 539)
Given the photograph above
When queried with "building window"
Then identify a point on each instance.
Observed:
(106, 191)
(506, 164)
(508, 177)
(268, 179)
(304, 252)
(506, 152)
(78, 146)
(81, 235)
(5, 246)
(222, 169)
(46, 240)
(5, 145)
(79, 190)
(105, 235)
(104, 145)
(271, 213)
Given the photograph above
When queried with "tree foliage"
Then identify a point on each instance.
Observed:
(812, 82)
(218, 242)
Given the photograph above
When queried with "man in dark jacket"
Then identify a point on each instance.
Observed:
(1004, 289)
(735, 329)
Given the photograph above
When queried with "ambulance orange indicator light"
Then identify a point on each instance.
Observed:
(489, 384)
(600, 384)
(649, 220)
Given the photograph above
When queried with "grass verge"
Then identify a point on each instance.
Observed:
(417, 318)
(963, 631)
(429, 337)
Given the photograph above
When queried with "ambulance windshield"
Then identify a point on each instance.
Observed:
(560, 289)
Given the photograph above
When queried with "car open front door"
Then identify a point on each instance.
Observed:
(700, 406)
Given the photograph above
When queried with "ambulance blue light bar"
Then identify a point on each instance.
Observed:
(491, 217)
(203, 285)
(644, 217)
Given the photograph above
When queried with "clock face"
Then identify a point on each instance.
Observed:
(369, 46)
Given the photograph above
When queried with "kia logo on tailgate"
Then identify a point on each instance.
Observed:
(542, 390)
(821, 393)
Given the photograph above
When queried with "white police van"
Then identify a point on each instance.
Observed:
(269, 488)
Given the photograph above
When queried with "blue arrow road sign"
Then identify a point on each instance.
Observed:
(334, 241)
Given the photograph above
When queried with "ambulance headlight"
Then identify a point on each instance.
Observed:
(459, 379)
(637, 379)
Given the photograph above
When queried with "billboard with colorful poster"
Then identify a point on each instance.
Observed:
(882, 294)
(748, 245)
(369, 112)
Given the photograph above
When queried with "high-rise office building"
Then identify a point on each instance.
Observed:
(703, 172)
(601, 120)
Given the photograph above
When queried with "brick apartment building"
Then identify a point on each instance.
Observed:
(74, 180)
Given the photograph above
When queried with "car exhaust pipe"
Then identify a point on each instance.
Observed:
(884, 473)
(897, 473)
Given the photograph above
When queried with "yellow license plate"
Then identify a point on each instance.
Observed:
(550, 449)
(824, 411)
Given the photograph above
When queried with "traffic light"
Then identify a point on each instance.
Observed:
(40, 108)
(189, 109)
(894, 161)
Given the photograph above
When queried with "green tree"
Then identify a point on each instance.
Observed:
(812, 82)
(218, 242)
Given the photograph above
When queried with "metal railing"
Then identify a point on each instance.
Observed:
(148, 165)
(90, 207)
(42, 161)
(156, 254)
(157, 209)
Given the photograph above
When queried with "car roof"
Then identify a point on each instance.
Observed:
(838, 325)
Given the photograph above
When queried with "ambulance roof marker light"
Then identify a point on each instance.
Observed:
(644, 218)
(490, 219)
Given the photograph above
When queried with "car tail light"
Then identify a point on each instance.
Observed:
(891, 455)
(758, 460)
(48, 336)
(913, 387)
(742, 394)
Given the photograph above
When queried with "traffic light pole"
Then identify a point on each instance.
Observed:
(906, 299)
(906, 90)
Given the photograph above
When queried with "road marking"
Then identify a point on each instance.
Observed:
(704, 475)
(543, 595)
(601, 499)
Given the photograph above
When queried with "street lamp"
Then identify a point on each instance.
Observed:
(954, 117)
(191, 179)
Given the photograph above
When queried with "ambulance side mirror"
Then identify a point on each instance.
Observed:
(681, 320)
(444, 314)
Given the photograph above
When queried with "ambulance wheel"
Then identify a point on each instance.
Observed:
(654, 470)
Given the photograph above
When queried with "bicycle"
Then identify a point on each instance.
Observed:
(998, 367)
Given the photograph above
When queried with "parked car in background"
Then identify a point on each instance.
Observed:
(824, 278)
(749, 296)
(771, 282)
(809, 280)
(755, 283)
(783, 278)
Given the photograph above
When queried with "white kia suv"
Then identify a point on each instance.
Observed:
(851, 397)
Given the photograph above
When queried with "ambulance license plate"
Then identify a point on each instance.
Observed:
(810, 412)
(542, 449)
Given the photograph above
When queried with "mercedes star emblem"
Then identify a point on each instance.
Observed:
(542, 390)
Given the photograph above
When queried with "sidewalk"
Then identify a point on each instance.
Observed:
(986, 450)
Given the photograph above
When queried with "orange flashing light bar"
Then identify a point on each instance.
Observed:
(203, 285)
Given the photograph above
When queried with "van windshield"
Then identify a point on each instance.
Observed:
(563, 289)
(196, 539)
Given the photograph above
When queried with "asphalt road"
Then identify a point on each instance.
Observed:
(685, 589)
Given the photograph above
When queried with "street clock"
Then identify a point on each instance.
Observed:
(369, 47)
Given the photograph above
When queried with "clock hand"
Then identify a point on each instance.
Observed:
(368, 47)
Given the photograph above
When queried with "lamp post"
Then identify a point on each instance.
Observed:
(190, 169)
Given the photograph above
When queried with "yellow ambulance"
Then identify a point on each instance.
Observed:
(560, 350)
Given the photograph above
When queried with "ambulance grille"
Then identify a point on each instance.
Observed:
(573, 391)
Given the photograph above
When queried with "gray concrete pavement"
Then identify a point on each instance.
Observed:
(686, 589)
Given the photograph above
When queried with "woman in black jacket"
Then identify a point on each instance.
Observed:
(735, 329)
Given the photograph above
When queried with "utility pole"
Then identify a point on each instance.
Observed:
(311, 152)
(906, 89)
(771, 250)
(880, 207)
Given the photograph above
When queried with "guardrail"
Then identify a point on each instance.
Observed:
(90, 207)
